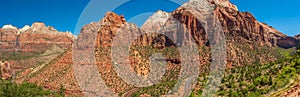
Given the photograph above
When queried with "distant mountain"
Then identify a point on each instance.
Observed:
(31, 50)
(37, 37)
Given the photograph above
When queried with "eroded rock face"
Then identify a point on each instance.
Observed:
(156, 21)
(8, 38)
(105, 30)
(36, 38)
(25, 28)
(242, 31)
(6, 70)
(240, 26)
(287, 42)
(110, 25)
(224, 3)
(297, 37)
(243, 25)
(39, 27)
(192, 31)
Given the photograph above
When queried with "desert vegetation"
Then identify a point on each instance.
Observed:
(258, 79)
(10, 89)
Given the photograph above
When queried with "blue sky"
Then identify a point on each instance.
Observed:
(64, 14)
(284, 15)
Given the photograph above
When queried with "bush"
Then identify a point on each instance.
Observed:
(288, 72)
(252, 87)
(262, 80)
(9, 89)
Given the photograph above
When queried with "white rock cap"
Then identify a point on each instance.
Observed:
(9, 27)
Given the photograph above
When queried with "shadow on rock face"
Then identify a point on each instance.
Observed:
(287, 42)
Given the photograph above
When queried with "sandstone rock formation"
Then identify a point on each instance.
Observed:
(109, 27)
(9, 27)
(8, 38)
(224, 3)
(6, 70)
(289, 42)
(240, 26)
(243, 32)
(156, 21)
(25, 28)
(36, 38)
(297, 37)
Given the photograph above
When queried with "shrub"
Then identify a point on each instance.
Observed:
(9, 89)
(288, 72)
(262, 80)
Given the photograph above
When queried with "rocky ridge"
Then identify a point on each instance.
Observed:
(33, 38)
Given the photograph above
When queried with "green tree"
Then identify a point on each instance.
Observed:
(261, 80)
(10, 89)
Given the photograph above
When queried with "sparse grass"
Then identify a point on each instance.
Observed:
(18, 55)
(49, 63)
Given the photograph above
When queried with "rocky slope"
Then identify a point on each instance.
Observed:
(6, 70)
(58, 74)
(36, 38)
